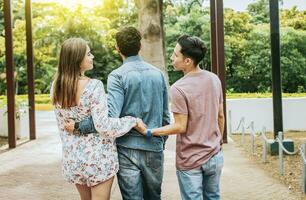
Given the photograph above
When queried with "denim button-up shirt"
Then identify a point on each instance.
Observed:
(137, 89)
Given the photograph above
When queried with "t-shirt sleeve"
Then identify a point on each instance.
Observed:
(178, 101)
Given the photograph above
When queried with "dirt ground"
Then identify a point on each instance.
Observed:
(3, 141)
(292, 163)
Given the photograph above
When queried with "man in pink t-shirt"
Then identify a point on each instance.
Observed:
(197, 106)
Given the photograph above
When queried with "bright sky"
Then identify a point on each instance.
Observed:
(72, 3)
(241, 5)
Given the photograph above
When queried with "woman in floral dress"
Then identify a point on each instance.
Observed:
(89, 161)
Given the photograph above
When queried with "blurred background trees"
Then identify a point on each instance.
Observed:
(247, 41)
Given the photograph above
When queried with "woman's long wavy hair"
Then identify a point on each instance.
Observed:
(66, 79)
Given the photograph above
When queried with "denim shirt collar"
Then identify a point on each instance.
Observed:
(132, 59)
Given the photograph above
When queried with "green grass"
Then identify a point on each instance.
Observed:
(261, 95)
(42, 101)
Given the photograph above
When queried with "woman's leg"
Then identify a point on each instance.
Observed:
(85, 192)
(102, 191)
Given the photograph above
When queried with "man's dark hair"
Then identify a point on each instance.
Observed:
(192, 47)
(128, 41)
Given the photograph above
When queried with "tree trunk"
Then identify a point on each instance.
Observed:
(150, 16)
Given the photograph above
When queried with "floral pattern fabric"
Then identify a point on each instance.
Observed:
(91, 159)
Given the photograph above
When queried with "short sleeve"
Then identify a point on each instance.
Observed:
(178, 101)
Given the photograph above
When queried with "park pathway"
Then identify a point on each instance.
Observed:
(32, 171)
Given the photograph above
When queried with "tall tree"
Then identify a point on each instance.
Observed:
(151, 26)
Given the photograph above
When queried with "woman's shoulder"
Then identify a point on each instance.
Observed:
(96, 84)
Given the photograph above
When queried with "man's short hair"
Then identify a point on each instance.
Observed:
(192, 47)
(128, 41)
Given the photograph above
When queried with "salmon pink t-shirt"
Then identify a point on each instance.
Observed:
(199, 96)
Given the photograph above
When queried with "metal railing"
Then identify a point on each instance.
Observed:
(243, 133)
(281, 148)
(242, 124)
(303, 165)
(265, 141)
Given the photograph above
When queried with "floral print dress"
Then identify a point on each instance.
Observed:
(91, 159)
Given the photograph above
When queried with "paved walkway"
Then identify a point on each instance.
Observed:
(33, 172)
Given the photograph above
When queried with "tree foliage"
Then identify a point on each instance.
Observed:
(247, 44)
(294, 18)
(52, 24)
(247, 41)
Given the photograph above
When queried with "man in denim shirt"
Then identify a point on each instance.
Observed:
(136, 89)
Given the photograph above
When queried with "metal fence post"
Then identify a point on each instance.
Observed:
(303, 153)
(264, 146)
(243, 132)
(230, 122)
(252, 138)
(280, 153)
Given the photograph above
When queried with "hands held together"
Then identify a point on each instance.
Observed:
(69, 125)
(141, 127)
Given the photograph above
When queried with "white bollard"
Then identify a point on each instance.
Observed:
(243, 131)
(264, 146)
(230, 122)
(252, 138)
(264, 151)
(303, 153)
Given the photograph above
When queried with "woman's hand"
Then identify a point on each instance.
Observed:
(69, 125)
(141, 127)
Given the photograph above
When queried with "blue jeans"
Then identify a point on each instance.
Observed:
(140, 174)
(202, 182)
